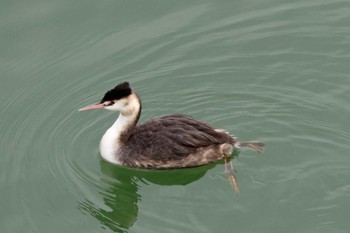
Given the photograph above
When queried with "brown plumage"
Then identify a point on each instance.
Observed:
(172, 141)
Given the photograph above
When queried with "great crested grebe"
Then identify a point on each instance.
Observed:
(171, 141)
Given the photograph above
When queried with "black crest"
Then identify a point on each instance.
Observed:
(118, 92)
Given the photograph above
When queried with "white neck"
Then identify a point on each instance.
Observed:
(116, 135)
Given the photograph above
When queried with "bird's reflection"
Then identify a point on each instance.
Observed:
(120, 194)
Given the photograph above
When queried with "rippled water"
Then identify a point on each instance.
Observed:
(277, 71)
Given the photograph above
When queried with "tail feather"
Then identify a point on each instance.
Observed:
(257, 146)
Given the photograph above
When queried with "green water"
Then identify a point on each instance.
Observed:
(275, 71)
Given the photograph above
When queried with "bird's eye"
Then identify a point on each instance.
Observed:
(110, 103)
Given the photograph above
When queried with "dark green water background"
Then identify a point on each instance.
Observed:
(276, 71)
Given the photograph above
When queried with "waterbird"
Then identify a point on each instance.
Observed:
(165, 142)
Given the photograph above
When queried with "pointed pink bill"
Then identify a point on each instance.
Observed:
(93, 106)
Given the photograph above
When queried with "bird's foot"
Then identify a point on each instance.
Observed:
(230, 172)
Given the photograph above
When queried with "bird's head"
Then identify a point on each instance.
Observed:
(121, 98)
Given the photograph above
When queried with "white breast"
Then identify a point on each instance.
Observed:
(109, 146)
(110, 142)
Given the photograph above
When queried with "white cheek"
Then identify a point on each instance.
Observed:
(117, 106)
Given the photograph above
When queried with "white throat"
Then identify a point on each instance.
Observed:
(112, 140)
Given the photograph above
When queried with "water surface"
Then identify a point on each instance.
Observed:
(275, 71)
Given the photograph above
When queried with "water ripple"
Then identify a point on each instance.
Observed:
(277, 73)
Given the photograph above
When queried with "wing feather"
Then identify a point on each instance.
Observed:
(172, 137)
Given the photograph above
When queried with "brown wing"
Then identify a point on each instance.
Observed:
(171, 137)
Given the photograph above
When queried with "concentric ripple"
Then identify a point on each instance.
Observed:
(271, 71)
